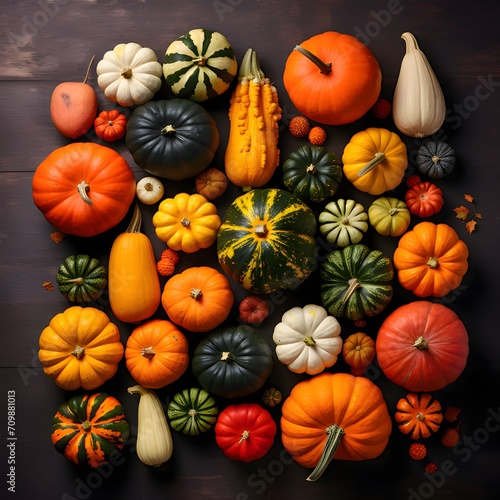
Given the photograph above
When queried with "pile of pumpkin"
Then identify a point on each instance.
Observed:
(266, 242)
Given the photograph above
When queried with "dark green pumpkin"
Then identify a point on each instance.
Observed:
(233, 362)
(192, 411)
(81, 278)
(436, 159)
(356, 282)
(172, 138)
(312, 173)
(267, 241)
(88, 429)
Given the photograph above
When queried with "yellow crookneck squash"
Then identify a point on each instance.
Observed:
(133, 282)
(252, 153)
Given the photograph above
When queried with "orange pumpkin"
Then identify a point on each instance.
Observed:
(431, 259)
(110, 125)
(83, 189)
(156, 353)
(198, 299)
(358, 351)
(334, 415)
(418, 415)
(332, 78)
(211, 183)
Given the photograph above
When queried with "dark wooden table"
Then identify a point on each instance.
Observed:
(45, 42)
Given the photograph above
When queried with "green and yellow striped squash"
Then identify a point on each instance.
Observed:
(356, 282)
(87, 429)
(267, 241)
(200, 65)
(192, 411)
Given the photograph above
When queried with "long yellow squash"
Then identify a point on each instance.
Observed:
(133, 283)
(252, 153)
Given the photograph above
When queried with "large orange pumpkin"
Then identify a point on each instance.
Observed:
(332, 78)
(83, 189)
(334, 415)
(431, 259)
(156, 353)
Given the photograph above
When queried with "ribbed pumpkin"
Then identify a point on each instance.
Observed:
(198, 299)
(156, 353)
(431, 260)
(424, 199)
(436, 159)
(267, 240)
(358, 351)
(389, 216)
(375, 160)
(80, 348)
(312, 173)
(356, 282)
(418, 415)
(334, 416)
(200, 65)
(133, 283)
(90, 429)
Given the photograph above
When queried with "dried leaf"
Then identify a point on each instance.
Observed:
(48, 285)
(478, 215)
(469, 198)
(470, 226)
(57, 237)
(451, 414)
(462, 212)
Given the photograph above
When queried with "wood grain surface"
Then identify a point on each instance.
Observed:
(45, 42)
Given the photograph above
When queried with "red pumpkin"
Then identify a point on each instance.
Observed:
(83, 189)
(338, 84)
(245, 432)
(422, 346)
(253, 310)
(424, 199)
(110, 125)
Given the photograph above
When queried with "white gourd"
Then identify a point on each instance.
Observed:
(307, 339)
(129, 74)
(154, 440)
(149, 190)
(418, 107)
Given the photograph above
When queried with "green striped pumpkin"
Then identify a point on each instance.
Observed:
(87, 429)
(192, 411)
(200, 65)
(356, 282)
(267, 241)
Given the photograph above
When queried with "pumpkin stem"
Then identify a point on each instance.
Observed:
(126, 73)
(148, 352)
(353, 285)
(433, 263)
(185, 221)
(250, 67)
(244, 435)
(261, 230)
(420, 344)
(88, 69)
(196, 294)
(311, 169)
(200, 61)
(335, 434)
(227, 356)
(420, 416)
(78, 352)
(83, 188)
(78, 281)
(309, 341)
(86, 426)
(135, 223)
(324, 67)
(410, 41)
(168, 130)
(379, 157)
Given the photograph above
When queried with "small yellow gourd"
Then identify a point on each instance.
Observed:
(133, 282)
(252, 153)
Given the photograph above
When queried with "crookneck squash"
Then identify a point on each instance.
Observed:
(334, 416)
(267, 240)
(89, 430)
(252, 153)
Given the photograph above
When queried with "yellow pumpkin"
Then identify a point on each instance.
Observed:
(133, 282)
(187, 222)
(80, 348)
(375, 160)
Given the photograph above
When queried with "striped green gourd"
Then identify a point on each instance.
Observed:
(356, 282)
(267, 241)
(200, 65)
(192, 411)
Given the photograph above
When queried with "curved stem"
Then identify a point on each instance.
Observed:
(335, 434)
(88, 69)
(83, 189)
(411, 42)
(378, 158)
(324, 67)
(353, 285)
(135, 223)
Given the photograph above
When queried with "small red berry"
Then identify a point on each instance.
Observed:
(299, 126)
(317, 136)
(413, 180)
(430, 468)
(418, 451)
(382, 108)
(450, 438)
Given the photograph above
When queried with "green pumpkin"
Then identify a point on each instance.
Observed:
(89, 429)
(175, 139)
(81, 278)
(312, 173)
(233, 362)
(267, 241)
(436, 159)
(356, 282)
(192, 411)
(200, 65)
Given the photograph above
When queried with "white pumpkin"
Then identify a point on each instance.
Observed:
(129, 74)
(307, 339)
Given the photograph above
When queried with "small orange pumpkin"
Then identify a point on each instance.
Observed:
(156, 353)
(110, 125)
(358, 351)
(198, 299)
(211, 183)
(418, 415)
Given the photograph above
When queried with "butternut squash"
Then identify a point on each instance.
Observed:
(133, 282)
(252, 153)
